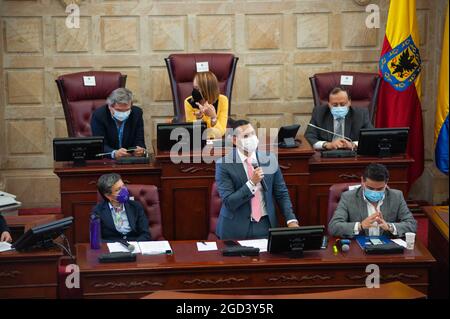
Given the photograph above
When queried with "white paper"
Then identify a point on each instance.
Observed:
(346, 80)
(117, 247)
(5, 246)
(256, 243)
(89, 80)
(206, 246)
(400, 242)
(202, 66)
(154, 247)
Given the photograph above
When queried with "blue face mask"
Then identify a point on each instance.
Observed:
(339, 112)
(123, 196)
(121, 116)
(373, 196)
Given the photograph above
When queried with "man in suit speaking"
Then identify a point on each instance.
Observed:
(340, 118)
(248, 181)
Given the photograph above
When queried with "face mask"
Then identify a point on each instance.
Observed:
(373, 196)
(249, 144)
(123, 196)
(196, 95)
(339, 112)
(121, 116)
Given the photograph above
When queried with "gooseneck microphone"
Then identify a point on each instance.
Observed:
(322, 129)
(126, 244)
(255, 166)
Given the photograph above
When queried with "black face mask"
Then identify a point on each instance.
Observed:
(196, 95)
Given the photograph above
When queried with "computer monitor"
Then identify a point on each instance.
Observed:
(293, 241)
(383, 142)
(77, 149)
(42, 236)
(187, 134)
(286, 136)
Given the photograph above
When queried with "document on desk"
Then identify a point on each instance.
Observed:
(256, 243)
(206, 246)
(5, 246)
(400, 242)
(155, 247)
(118, 247)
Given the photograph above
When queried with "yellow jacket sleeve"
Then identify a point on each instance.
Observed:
(189, 111)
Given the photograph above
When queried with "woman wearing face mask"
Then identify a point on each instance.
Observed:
(207, 104)
(120, 217)
(121, 124)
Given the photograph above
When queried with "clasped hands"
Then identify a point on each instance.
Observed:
(375, 218)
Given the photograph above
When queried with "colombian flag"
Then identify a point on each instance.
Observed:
(441, 123)
(400, 91)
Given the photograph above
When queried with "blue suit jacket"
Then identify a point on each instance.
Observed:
(102, 124)
(136, 218)
(231, 179)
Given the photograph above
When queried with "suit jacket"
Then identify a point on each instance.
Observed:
(356, 119)
(136, 217)
(3, 226)
(235, 213)
(352, 208)
(102, 124)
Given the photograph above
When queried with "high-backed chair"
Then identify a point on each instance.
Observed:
(363, 91)
(80, 101)
(182, 68)
(148, 196)
(334, 196)
(215, 204)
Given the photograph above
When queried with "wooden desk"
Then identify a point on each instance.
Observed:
(29, 275)
(185, 189)
(392, 290)
(78, 186)
(328, 171)
(438, 246)
(18, 225)
(188, 270)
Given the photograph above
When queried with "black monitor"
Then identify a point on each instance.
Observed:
(169, 134)
(42, 236)
(383, 142)
(294, 240)
(77, 149)
(286, 136)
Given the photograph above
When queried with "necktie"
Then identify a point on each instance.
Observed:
(256, 200)
(339, 129)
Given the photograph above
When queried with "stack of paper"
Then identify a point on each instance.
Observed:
(143, 247)
(256, 243)
(5, 246)
(8, 201)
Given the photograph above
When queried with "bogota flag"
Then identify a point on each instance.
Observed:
(400, 66)
(441, 123)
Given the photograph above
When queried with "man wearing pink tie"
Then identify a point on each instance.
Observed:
(248, 182)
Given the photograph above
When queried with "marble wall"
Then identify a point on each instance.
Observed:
(279, 45)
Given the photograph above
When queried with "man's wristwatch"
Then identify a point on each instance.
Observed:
(324, 145)
(391, 228)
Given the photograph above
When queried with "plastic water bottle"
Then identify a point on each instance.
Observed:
(94, 232)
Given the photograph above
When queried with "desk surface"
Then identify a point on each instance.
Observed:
(438, 215)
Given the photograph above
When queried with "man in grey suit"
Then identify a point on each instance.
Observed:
(248, 181)
(372, 209)
(338, 117)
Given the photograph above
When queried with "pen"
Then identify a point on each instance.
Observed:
(203, 243)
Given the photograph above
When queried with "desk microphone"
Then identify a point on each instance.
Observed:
(126, 244)
(339, 135)
(343, 244)
(255, 166)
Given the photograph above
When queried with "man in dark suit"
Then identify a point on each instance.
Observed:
(120, 217)
(338, 117)
(121, 124)
(4, 230)
(248, 190)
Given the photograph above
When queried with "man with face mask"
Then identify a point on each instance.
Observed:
(120, 217)
(372, 209)
(338, 117)
(249, 182)
(121, 124)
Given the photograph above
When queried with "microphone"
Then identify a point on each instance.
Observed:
(126, 244)
(343, 244)
(322, 129)
(255, 166)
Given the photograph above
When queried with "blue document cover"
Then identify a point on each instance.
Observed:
(364, 241)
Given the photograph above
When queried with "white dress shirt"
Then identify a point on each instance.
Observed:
(257, 188)
(319, 144)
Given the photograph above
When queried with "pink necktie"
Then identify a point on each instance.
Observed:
(256, 200)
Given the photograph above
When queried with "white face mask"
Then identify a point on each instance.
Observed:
(121, 116)
(249, 144)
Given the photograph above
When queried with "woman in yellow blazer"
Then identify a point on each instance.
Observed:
(207, 104)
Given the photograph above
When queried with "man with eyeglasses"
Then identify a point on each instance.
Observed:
(372, 209)
(340, 118)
